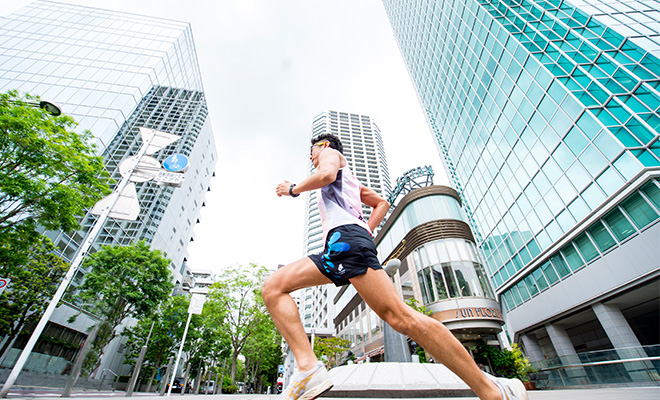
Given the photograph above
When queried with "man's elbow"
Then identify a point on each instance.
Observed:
(384, 204)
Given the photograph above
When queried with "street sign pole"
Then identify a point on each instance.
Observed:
(178, 356)
(196, 304)
(80, 255)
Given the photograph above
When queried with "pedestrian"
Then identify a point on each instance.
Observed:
(349, 256)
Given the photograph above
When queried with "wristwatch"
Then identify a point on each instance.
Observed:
(291, 191)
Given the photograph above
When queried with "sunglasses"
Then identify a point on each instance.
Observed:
(317, 144)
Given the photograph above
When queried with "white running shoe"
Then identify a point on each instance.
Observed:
(512, 389)
(309, 385)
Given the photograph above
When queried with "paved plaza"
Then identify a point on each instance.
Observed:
(628, 393)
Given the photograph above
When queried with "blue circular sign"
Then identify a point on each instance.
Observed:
(176, 163)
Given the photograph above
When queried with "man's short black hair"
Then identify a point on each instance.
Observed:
(335, 143)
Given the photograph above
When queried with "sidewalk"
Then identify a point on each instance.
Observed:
(628, 393)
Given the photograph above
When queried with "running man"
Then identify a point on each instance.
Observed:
(349, 256)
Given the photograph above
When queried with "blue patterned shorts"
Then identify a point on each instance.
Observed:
(349, 250)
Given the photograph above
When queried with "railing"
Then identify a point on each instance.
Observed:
(633, 365)
(103, 378)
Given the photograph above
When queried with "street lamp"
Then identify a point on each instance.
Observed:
(49, 107)
(44, 105)
(107, 207)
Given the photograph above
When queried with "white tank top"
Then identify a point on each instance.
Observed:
(340, 203)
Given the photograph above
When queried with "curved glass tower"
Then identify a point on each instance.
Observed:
(547, 115)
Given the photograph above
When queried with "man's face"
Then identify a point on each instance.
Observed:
(316, 150)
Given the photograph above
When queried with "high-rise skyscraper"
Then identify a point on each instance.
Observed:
(114, 72)
(546, 112)
(364, 151)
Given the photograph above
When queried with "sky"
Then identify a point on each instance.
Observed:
(268, 67)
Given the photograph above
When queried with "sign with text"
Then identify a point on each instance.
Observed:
(469, 313)
(196, 303)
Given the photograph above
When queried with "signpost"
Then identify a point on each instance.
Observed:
(197, 301)
(153, 141)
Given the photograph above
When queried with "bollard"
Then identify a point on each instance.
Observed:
(166, 379)
(136, 372)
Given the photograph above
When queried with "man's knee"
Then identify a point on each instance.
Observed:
(269, 290)
(403, 322)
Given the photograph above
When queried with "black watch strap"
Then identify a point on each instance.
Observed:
(291, 191)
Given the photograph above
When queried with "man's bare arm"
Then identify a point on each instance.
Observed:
(325, 174)
(379, 205)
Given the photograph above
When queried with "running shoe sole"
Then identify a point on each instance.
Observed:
(518, 388)
(317, 391)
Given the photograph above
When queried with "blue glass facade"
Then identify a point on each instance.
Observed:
(548, 120)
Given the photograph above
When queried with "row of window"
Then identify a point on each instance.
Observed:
(531, 157)
(420, 211)
(635, 213)
(450, 268)
(594, 74)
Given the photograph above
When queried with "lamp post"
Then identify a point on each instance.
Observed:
(152, 141)
(50, 107)
(44, 105)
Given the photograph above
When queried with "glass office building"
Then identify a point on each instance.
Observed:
(547, 115)
(114, 72)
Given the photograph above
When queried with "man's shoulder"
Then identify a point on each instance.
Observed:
(333, 156)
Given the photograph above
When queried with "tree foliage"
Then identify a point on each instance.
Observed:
(49, 174)
(508, 363)
(238, 291)
(29, 260)
(124, 281)
(329, 349)
(263, 353)
(166, 327)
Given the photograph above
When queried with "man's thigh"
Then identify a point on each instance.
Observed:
(297, 275)
(378, 291)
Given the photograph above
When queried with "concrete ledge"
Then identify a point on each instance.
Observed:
(396, 380)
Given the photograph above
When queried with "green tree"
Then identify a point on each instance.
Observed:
(508, 363)
(166, 327)
(125, 281)
(263, 353)
(238, 291)
(210, 342)
(29, 260)
(49, 174)
(329, 349)
(415, 305)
